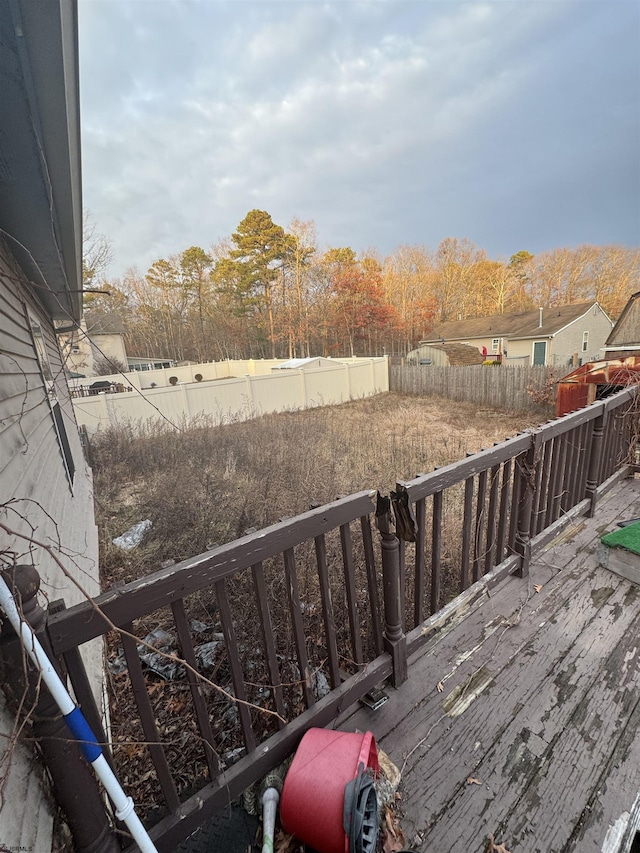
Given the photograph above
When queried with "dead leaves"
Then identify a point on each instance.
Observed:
(440, 687)
(537, 587)
(393, 838)
(285, 843)
(473, 781)
(492, 847)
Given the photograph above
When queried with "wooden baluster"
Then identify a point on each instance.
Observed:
(327, 612)
(196, 685)
(402, 558)
(436, 550)
(478, 538)
(515, 502)
(395, 641)
(295, 609)
(578, 484)
(148, 719)
(543, 495)
(527, 477)
(558, 479)
(352, 597)
(266, 628)
(505, 490)
(553, 479)
(372, 583)
(490, 558)
(419, 582)
(233, 656)
(573, 446)
(466, 533)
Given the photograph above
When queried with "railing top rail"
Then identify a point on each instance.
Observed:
(620, 398)
(122, 604)
(449, 475)
(457, 472)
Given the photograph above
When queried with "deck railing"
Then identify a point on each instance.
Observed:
(304, 618)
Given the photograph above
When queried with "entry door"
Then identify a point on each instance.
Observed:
(540, 352)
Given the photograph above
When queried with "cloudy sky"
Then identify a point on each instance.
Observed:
(515, 124)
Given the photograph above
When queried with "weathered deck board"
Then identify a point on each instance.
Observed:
(540, 703)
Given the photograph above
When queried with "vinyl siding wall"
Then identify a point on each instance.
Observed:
(37, 500)
(569, 340)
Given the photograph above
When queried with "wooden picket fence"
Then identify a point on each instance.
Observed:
(495, 387)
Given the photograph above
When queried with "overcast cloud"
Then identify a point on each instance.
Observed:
(515, 124)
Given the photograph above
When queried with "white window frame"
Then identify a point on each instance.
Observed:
(585, 341)
(495, 345)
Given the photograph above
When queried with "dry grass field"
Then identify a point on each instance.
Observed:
(207, 485)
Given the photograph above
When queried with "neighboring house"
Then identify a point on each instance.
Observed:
(98, 340)
(619, 367)
(148, 362)
(445, 355)
(46, 506)
(625, 336)
(546, 336)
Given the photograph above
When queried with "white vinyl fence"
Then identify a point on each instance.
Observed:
(224, 397)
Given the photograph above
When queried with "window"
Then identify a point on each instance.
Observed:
(585, 341)
(40, 346)
(495, 345)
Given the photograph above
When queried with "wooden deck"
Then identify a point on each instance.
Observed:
(522, 719)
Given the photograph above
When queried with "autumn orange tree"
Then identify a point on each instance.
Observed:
(269, 291)
(359, 316)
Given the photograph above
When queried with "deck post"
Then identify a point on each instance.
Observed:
(595, 462)
(75, 786)
(394, 639)
(527, 475)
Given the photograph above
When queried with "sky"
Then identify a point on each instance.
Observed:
(513, 123)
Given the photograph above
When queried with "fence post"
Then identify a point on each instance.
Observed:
(595, 461)
(394, 640)
(527, 474)
(75, 787)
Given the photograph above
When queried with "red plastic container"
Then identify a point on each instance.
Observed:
(312, 801)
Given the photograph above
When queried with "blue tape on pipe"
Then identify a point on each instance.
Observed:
(91, 749)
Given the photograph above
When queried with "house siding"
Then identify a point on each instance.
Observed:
(437, 356)
(37, 500)
(568, 341)
(521, 352)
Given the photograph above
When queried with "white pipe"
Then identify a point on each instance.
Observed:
(270, 800)
(125, 809)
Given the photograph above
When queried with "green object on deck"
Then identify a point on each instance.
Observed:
(624, 537)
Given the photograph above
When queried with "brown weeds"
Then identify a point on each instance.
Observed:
(205, 486)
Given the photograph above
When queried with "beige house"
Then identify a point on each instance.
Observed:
(46, 504)
(97, 341)
(555, 336)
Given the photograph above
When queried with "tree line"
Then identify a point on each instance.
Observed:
(267, 292)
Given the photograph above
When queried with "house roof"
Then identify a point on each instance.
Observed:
(104, 324)
(522, 325)
(40, 184)
(460, 354)
(626, 331)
